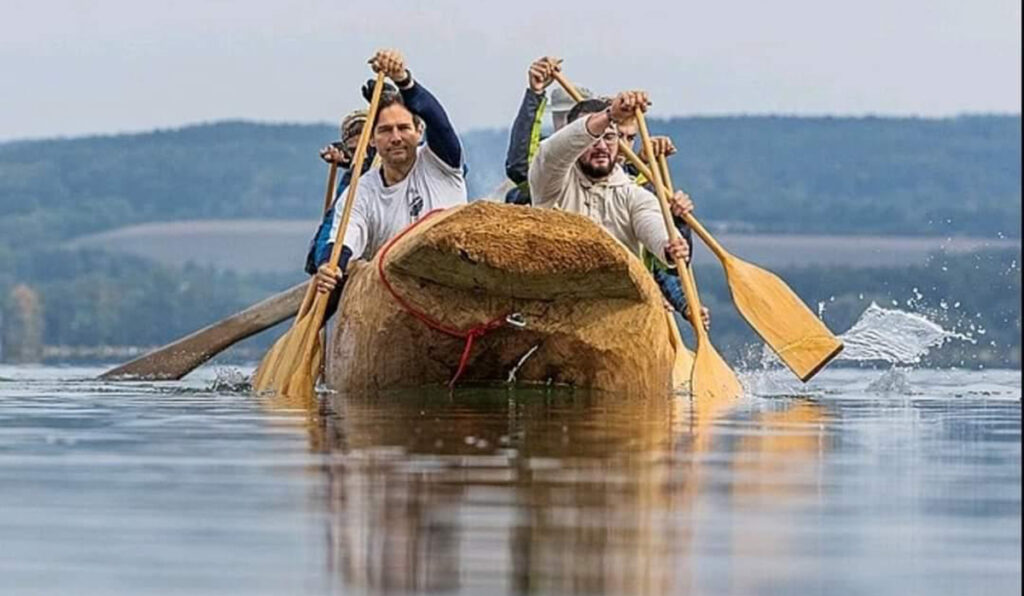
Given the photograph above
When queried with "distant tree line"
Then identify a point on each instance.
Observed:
(802, 175)
(94, 298)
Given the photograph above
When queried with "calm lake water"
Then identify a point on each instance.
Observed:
(862, 482)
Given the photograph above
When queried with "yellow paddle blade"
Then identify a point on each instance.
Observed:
(682, 369)
(302, 382)
(297, 359)
(712, 378)
(782, 320)
(269, 365)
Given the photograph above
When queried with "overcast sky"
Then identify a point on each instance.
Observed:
(70, 67)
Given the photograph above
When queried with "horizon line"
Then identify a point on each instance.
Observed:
(710, 116)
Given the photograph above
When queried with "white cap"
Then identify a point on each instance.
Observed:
(561, 102)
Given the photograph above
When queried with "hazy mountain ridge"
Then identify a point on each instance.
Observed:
(784, 174)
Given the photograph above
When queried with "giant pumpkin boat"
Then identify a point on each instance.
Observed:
(489, 292)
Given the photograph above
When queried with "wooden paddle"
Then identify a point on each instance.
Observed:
(332, 178)
(711, 377)
(297, 367)
(774, 311)
(269, 365)
(178, 358)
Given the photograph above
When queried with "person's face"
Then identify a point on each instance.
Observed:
(599, 159)
(396, 136)
(352, 143)
(349, 145)
(628, 132)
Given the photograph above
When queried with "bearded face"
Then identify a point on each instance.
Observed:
(599, 159)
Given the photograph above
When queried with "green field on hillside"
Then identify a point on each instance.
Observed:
(771, 174)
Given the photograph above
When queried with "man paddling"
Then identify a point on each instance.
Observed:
(411, 179)
(577, 170)
(339, 153)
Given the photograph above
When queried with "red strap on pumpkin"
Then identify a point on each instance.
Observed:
(469, 335)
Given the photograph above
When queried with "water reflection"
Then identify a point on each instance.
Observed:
(524, 491)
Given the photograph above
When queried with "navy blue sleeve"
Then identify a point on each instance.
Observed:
(517, 159)
(670, 288)
(441, 137)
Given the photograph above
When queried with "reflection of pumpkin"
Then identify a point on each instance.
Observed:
(589, 306)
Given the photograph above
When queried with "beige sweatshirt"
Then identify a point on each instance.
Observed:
(625, 210)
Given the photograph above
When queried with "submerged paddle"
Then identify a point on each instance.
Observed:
(298, 364)
(769, 306)
(711, 377)
(178, 358)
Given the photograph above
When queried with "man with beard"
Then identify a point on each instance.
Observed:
(577, 170)
(411, 179)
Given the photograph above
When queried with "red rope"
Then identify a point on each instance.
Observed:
(469, 335)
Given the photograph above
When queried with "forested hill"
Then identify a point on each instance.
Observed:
(812, 175)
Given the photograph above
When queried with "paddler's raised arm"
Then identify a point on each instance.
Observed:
(525, 133)
(441, 137)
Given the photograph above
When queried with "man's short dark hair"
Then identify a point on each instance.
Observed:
(389, 96)
(587, 106)
(393, 99)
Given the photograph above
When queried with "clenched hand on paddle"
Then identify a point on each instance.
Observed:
(297, 366)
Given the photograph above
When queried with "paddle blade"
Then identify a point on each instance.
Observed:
(302, 383)
(682, 369)
(712, 378)
(268, 367)
(299, 356)
(782, 320)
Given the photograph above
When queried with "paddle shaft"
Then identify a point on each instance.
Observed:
(332, 178)
(320, 302)
(357, 169)
(178, 358)
(666, 177)
(685, 275)
(308, 327)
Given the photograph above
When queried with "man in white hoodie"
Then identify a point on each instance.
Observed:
(576, 170)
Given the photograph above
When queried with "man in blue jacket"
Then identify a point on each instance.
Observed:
(525, 135)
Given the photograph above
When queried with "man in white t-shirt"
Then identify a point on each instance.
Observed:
(412, 178)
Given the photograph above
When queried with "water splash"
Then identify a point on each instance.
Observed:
(896, 337)
(893, 336)
(895, 380)
(230, 380)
